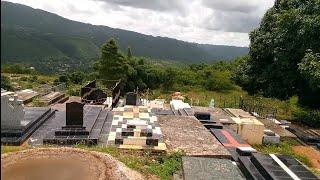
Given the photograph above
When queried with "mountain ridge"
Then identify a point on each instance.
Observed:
(24, 28)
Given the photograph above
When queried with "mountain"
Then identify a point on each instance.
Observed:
(36, 36)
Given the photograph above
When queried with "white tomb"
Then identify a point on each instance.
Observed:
(12, 112)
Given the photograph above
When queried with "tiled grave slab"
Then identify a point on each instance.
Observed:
(135, 127)
(188, 134)
(33, 119)
(209, 168)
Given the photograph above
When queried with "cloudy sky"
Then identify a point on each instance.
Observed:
(225, 22)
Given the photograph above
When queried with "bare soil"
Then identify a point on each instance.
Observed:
(311, 153)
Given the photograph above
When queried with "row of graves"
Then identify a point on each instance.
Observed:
(217, 143)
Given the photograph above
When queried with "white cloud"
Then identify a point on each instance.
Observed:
(226, 22)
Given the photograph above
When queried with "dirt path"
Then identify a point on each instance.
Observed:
(63, 163)
(311, 153)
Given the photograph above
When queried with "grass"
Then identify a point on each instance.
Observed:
(285, 148)
(145, 162)
(201, 97)
(7, 149)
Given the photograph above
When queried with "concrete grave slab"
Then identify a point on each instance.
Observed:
(189, 135)
(209, 168)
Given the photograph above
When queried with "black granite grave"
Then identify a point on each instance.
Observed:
(202, 115)
(91, 94)
(78, 129)
(131, 98)
(270, 169)
(33, 119)
(213, 125)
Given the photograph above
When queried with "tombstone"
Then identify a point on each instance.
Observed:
(12, 112)
(74, 114)
(202, 115)
(131, 98)
(74, 121)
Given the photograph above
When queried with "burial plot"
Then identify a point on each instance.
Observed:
(209, 168)
(272, 166)
(187, 134)
(233, 142)
(78, 125)
(133, 127)
(17, 122)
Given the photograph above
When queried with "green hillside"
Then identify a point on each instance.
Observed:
(33, 35)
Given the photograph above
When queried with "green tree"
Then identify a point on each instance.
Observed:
(112, 65)
(285, 34)
(5, 83)
(129, 53)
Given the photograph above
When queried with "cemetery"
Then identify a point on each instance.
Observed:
(216, 142)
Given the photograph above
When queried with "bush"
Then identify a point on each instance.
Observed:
(308, 117)
(219, 81)
(5, 83)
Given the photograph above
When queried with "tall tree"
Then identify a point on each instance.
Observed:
(129, 53)
(285, 34)
(112, 65)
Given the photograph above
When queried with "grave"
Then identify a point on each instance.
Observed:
(27, 95)
(209, 168)
(272, 166)
(202, 115)
(233, 143)
(308, 135)
(270, 137)
(79, 124)
(131, 98)
(133, 127)
(51, 98)
(246, 125)
(18, 122)
(187, 134)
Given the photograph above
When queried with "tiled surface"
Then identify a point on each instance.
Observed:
(134, 127)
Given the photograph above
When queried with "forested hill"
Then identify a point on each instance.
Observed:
(30, 35)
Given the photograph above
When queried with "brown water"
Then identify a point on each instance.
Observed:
(47, 169)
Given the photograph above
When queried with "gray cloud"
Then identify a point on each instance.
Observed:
(231, 21)
(233, 15)
(157, 5)
(232, 5)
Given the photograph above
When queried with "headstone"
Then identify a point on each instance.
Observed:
(12, 112)
(211, 104)
(131, 98)
(74, 114)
